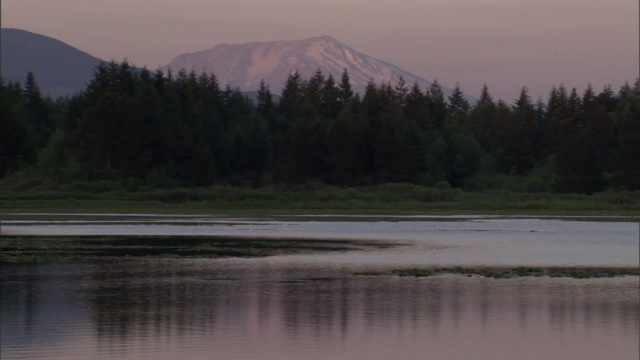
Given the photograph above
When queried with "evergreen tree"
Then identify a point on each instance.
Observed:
(346, 91)
(518, 145)
(437, 106)
(17, 143)
(313, 96)
(266, 106)
(589, 102)
(523, 104)
(291, 96)
(457, 102)
(607, 99)
(624, 152)
(559, 122)
(400, 91)
(482, 119)
(625, 92)
(416, 107)
(574, 103)
(558, 103)
(485, 97)
(37, 111)
(331, 98)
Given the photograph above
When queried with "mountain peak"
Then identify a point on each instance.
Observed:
(323, 38)
(245, 65)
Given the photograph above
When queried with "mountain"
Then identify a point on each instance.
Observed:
(244, 65)
(59, 68)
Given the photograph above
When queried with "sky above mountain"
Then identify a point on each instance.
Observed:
(502, 43)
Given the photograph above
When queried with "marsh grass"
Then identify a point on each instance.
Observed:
(397, 198)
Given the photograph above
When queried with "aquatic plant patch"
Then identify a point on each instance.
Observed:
(18, 249)
(507, 273)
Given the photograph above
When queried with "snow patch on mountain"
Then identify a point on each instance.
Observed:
(245, 65)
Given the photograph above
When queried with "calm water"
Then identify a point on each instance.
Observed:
(454, 240)
(312, 307)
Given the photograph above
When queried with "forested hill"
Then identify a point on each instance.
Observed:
(147, 129)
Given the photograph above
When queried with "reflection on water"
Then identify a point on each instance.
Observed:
(263, 309)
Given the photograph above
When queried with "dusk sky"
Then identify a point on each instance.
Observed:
(503, 43)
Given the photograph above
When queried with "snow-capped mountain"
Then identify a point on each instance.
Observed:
(244, 65)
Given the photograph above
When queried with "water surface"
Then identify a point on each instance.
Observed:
(311, 306)
(454, 240)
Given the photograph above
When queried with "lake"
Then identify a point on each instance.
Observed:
(311, 305)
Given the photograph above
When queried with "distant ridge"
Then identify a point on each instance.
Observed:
(59, 68)
(244, 65)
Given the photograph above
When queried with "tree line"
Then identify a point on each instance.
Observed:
(186, 129)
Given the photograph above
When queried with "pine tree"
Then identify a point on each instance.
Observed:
(17, 144)
(416, 107)
(400, 91)
(482, 119)
(266, 106)
(345, 89)
(589, 102)
(313, 94)
(523, 103)
(457, 102)
(437, 106)
(574, 104)
(292, 96)
(36, 111)
(331, 98)
(607, 99)
(485, 97)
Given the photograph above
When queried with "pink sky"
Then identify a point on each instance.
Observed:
(503, 43)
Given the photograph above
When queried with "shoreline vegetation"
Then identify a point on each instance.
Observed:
(314, 198)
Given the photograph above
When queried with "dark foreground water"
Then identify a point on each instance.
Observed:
(311, 306)
(199, 309)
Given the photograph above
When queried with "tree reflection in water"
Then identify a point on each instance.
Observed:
(161, 307)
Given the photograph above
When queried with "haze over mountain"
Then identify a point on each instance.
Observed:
(244, 65)
(60, 69)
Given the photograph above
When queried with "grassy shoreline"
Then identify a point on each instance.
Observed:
(399, 199)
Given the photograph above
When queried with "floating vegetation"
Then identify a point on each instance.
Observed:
(508, 273)
(413, 272)
(32, 249)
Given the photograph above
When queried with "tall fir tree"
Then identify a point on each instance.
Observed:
(346, 91)
(457, 101)
(437, 105)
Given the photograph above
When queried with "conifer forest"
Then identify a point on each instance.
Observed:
(183, 129)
